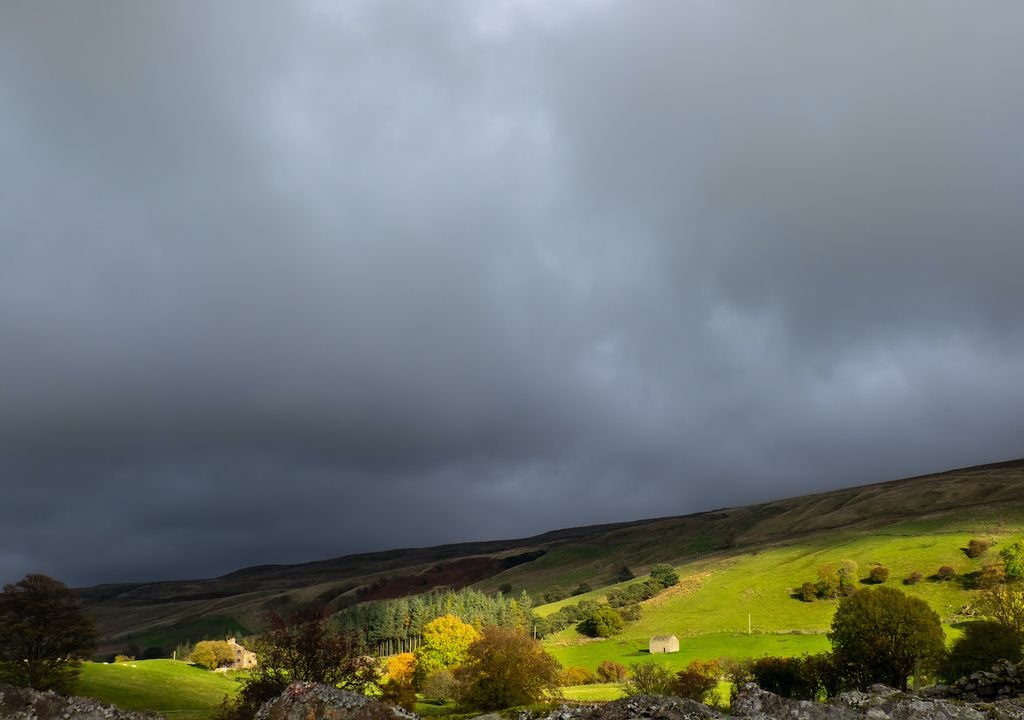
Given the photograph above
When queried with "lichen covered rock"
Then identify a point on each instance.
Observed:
(310, 701)
(17, 703)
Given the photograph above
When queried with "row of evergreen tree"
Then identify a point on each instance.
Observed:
(387, 627)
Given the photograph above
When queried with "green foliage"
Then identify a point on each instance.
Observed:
(1013, 559)
(506, 667)
(446, 642)
(555, 594)
(1005, 605)
(610, 671)
(878, 575)
(212, 654)
(878, 636)
(790, 677)
(581, 589)
(601, 621)
(123, 659)
(649, 678)
(945, 573)
(808, 592)
(665, 574)
(837, 580)
(976, 547)
(388, 627)
(823, 671)
(624, 574)
(43, 634)
(982, 644)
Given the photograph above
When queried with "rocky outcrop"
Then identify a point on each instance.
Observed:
(656, 707)
(310, 701)
(17, 703)
(1005, 680)
(877, 703)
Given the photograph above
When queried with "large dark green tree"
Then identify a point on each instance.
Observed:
(883, 635)
(44, 634)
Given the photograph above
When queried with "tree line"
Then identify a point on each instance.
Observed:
(390, 627)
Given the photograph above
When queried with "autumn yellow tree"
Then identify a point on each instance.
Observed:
(397, 688)
(400, 667)
(446, 641)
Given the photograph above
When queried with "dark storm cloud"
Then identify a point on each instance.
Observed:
(490, 269)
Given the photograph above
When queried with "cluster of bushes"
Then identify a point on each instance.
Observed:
(605, 620)
(697, 681)
(590, 617)
(488, 670)
(833, 581)
(837, 581)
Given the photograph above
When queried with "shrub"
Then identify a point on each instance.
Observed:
(1013, 560)
(1005, 605)
(664, 574)
(623, 574)
(440, 686)
(610, 671)
(787, 677)
(576, 676)
(982, 644)
(617, 597)
(555, 594)
(913, 578)
(581, 588)
(808, 592)
(696, 681)
(825, 673)
(123, 659)
(945, 573)
(878, 575)
(976, 547)
(991, 575)
(649, 678)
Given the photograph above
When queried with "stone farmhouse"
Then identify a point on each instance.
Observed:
(663, 644)
(244, 659)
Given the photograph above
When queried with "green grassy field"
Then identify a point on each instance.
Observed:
(719, 599)
(175, 689)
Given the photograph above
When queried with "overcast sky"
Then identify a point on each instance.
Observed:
(282, 281)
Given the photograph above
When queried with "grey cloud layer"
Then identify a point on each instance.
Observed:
(296, 265)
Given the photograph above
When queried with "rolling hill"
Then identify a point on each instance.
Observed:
(735, 562)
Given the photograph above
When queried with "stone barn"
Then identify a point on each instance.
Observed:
(663, 644)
